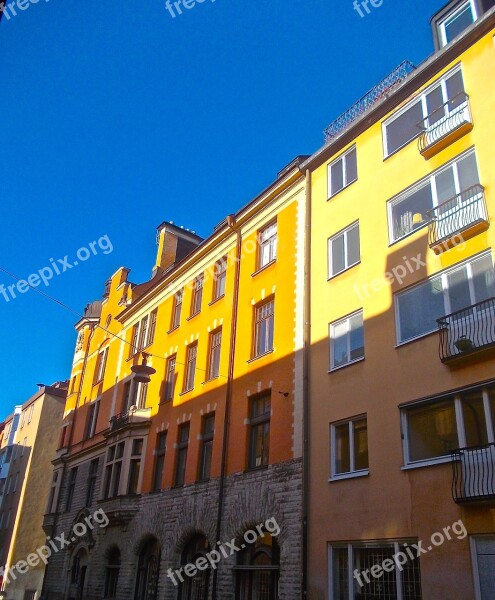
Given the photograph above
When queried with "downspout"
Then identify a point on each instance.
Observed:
(306, 379)
(228, 395)
(71, 436)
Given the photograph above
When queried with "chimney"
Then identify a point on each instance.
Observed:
(174, 244)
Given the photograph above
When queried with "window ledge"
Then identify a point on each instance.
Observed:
(332, 196)
(264, 267)
(210, 379)
(254, 469)
(190, 317)
(344, 271)
(352, 362)
(173, 329)
(184, 392)
(354, 475)
(415, 339)
(216, 300)
(387, 156)
(251, 360)
(408, 235)
(427, 463)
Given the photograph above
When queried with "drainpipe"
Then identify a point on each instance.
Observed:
(231, 222)
(71, 435)
(306, 380)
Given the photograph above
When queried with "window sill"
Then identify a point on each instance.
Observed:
(210, 379)
(254, 469)
(216, 300)
(427, 463)
(173, 329)
(190, 317)
(354, 475)
(344, 271)
(184, 392)
(349, 364)
(264, 267)
(387, 156)
(138, 352)
(332, 196)
(166, 401)
(407, 235)
(251, 360)
(415, 339)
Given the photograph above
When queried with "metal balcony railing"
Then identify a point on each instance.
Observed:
(467, 331)
(119, 421)
(457, 215)
(473, 474)
(448, 119)
(376, 94)
(135, 415)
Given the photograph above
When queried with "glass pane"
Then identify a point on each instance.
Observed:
(445, 186)
(468, 172)
(458, 22)
(357, 336)
(434, 105)
(409, 213)
(455, 89)
(336, 177)
(360, 445)
(351, 166)
(342, 449)
(404, 128)
(458, 290)
(338, 254)
(483, 275)
(339, 344)
(473, 414)
(353, 251)
(383, 588)
(432, 430)
(419, 309)
(340, 581)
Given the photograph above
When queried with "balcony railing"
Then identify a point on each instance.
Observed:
(473, 474)
(444, 125)
(131, 416)
(467, 331)
(458, 219)
(376, 94)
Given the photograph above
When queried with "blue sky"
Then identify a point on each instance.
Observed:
(117, 117)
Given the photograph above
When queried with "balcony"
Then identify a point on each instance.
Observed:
(473, 474)
(458, 219)
(133, 416)
(468, 332)
(445, 125)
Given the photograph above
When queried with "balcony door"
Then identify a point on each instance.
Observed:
(483, 552)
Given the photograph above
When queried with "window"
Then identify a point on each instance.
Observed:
(71, 488)
(432, 430)
(24, 444)
(258, 569)
(215, 342)
(23, 418)
(112, 573)
(343, 250)
(418, 308)
(342, 172)
(52, 506)
(197, 295)
(101, 362)
(170, 377)
(14, 452)
(7, 485)
(91, 420)
(134, 395)
(220, 272)
(348, 562)
(91, 485)
(191, 355)
(148, 571)
(197, 586)
(143, 333)
(177, 309)
(347, 341)
(263, 328)
(135, 466)
(457, 21)
(406, 125)
(267, 245)
(408, 211)
(31, 411)
(349, 447)
(206, 446)
(113, 470)
(9, 516)
(16, 481)
(161, 446)
(259, 439)
(182, 446)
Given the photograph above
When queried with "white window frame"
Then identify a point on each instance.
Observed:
(441, 27)
(420, 97)
(267, 237)
(331, 327)
(343, 157)
(334, 476)
(430, 180)
(459, 418)
(345, 233)
(443, 277)
(31, 411)
(351, 547)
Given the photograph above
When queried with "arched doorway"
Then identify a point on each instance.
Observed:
(148, 570)
(196, 587)
(257, 570)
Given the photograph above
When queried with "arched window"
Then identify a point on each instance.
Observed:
(112, 573)
(148, 571)
(78, 574)
(196, 587)
(257, 570)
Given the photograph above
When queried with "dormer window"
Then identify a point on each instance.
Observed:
(458, 17)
